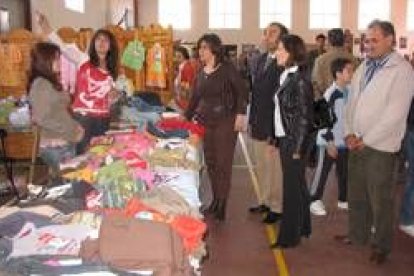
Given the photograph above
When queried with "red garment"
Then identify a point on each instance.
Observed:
(134, 206)
(133, 160)
(191, 230)
(92, 91)
(184, 83)
(174, 124)
(196, 64)
(187, 74)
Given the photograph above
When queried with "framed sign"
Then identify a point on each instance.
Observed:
(403, 42)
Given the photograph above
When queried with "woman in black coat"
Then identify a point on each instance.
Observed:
(293, 121)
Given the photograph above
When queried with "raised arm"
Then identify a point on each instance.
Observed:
(69, 50)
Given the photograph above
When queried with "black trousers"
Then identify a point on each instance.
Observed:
(296, 220)
(93, 126)
(323, 168)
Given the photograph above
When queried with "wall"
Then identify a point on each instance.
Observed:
(250, 32)
(117, 8)
(16, 9)
(95, 16)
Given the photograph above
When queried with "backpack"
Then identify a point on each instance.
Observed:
(323, 115)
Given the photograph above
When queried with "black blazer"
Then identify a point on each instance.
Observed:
(296, 108)
(262, 106)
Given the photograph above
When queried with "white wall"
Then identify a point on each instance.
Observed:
(250, 32)
(95, 16)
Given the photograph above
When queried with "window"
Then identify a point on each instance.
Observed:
(176, 13)
(410, 15)
(324, 14)
(75, 5)
(275, 10)
(225, 14)
(369, 10)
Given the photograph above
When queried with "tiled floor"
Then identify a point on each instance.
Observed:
(240, 246)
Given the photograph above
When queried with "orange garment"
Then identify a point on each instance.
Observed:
(190, 229)
(156, 67)
(85, 174)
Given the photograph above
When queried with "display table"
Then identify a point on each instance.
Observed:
(18, 144)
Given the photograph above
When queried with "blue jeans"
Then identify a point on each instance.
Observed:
(93, 126)
(407, 206)
(54, 156)
(143, 106)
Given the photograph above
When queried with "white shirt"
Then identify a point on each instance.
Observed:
(279, 130)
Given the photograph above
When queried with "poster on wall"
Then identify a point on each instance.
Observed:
(4, 20)
(403, 42)
(248, 48)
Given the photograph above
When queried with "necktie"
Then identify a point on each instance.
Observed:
(372, 66)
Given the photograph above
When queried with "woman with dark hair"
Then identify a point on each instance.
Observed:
(95, 92)
(293, 120)
(58, 130)
(218, 101)
(185, 76)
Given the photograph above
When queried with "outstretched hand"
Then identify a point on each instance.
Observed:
(43, 23)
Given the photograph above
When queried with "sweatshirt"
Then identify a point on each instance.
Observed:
(91, 97)
(50, 111)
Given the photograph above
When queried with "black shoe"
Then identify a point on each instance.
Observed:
(343, 239)
(277, 245)
(377, 257)
(220, 213)
(260, 209)
(272, 217)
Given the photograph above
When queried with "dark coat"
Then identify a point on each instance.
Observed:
(265, 84)
(296, 107)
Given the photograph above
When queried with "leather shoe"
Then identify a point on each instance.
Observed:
(220, 213)
(277, 245)
(260, 209)
(271, 217)
(343, 239)
(378, 257)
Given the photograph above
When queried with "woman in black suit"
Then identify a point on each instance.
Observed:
(293, 120)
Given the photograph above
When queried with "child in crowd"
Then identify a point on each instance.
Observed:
(331, 144)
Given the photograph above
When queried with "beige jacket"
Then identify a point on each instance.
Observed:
(379, 112)
(322, 77)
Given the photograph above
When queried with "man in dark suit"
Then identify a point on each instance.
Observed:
(261, 121)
